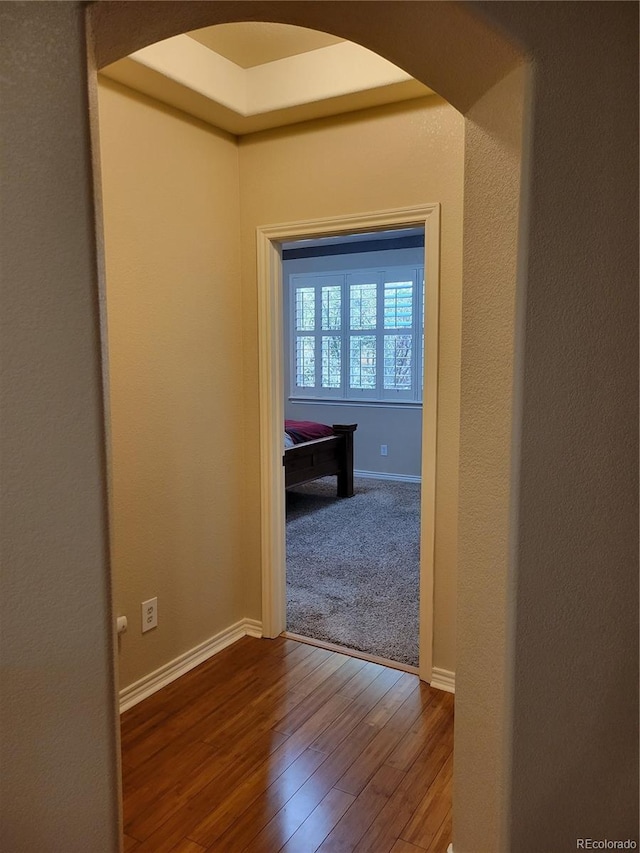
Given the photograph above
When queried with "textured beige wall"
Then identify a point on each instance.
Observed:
(58, 761)
(171, 226)
(371, 160)
(493, 131)
(573, 603)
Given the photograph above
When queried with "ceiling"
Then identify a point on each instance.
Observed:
(252, 76)
(254, 43)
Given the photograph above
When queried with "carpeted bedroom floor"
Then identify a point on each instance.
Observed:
(352, 566)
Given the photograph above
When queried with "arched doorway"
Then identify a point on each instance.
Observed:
(490, 93)
(56, 522)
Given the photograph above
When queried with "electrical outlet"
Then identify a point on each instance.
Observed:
(383, 450)
(149, 614)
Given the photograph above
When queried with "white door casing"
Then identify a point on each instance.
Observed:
(271, 376)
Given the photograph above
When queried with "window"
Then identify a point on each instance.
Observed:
(358, 335)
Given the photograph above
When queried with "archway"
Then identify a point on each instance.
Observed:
(431, 41)
(576, 585)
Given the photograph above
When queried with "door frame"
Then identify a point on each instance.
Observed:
(271, 376)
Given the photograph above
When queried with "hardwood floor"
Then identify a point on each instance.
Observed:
(274, 745)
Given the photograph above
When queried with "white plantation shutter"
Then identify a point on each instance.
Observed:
(399, 336)
(358, 335)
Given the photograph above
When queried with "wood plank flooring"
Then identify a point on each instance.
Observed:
(275, 745)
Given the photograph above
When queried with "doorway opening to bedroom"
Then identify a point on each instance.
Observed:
(353, 322)
(349, 333)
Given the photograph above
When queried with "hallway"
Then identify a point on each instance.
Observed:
(274, 745)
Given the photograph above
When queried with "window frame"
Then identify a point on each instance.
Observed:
(381, 275)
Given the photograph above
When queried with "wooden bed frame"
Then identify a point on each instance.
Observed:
(322, 457)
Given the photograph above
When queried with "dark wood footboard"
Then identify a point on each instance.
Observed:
(323, 457)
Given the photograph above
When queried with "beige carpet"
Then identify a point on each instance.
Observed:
(352, 566)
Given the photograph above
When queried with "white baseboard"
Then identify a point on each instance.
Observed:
(398, 478)
(139, 690)
(443, 679)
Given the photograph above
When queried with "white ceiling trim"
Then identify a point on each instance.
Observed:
(330, 72)
(325, 76)
(191, 64)
(251, 43)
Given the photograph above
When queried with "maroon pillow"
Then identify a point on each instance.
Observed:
(306, 430)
